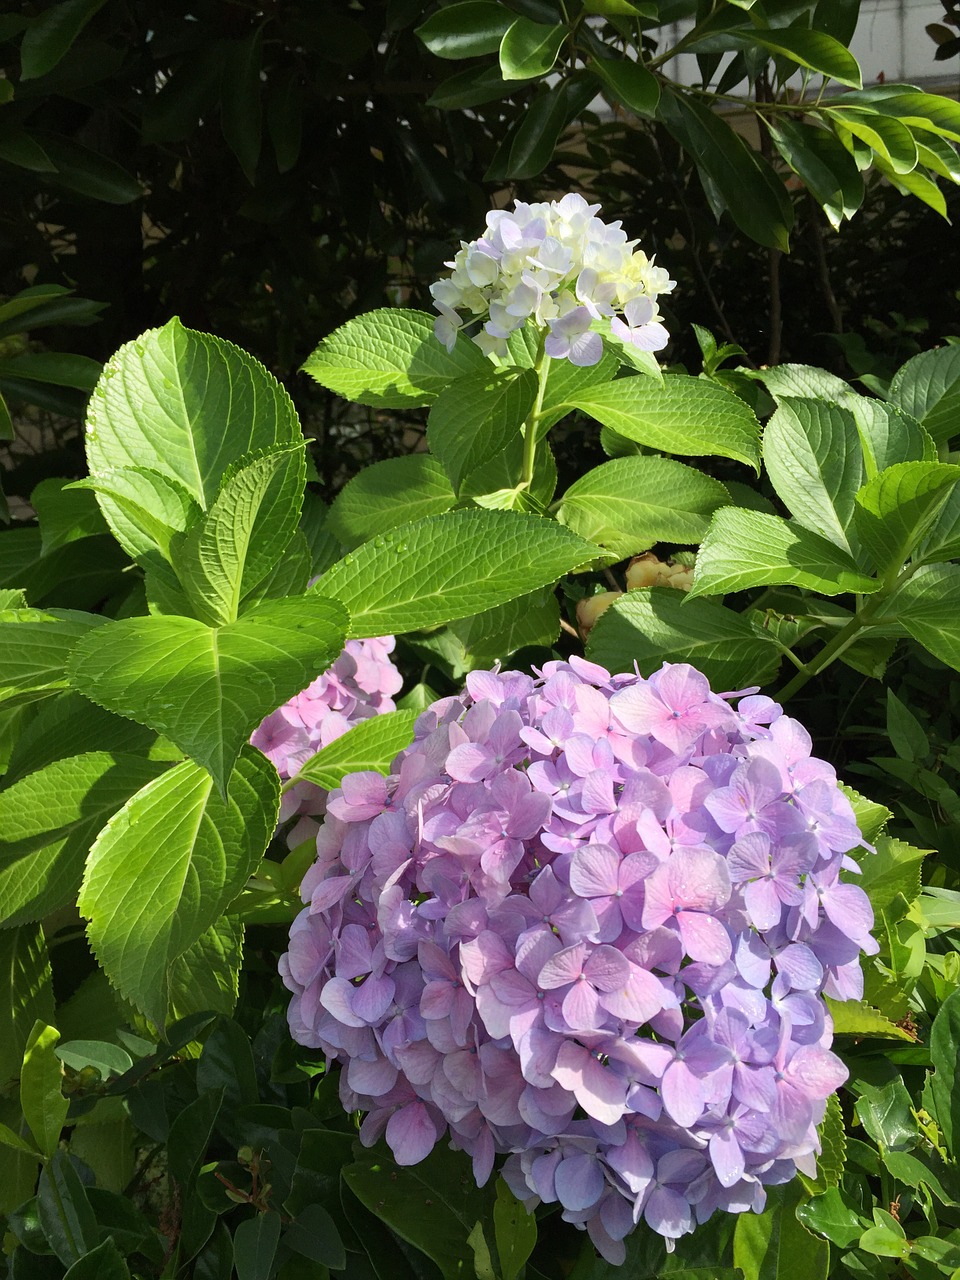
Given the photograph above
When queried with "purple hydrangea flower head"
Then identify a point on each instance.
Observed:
(360, 684)
(587, 923)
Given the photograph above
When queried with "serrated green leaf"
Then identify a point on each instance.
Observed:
(207, 975)
(654, 625)
(888, 435)
(35, 644)
(186, 405)
(928, 389)
(897, 508)
(208, 688)
(448, 567)
(165, 867)
(477, 417)
(532, 620)
(372, 744)
(871, 817)
(630, 83)
(154, 508)
(465, 30)
(65, 514)
(529, 49)
(51, 33)
(928, 606)
(688, 416)
(812, 453)
(857, 1018)
(25, 972)
(748, 549)
(391, 359)
(243, 535)
(44, 1106)
(629, 504)
(48, 821)
(389, 493)
(800, 381)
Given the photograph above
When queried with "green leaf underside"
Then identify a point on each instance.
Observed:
(682, 415)
(477, 417)
(928, 605)
(812, 454)
(897, 509)
(156, 405)
(629, 504)
(372, 744)
(50, 818)
(654, 625)
(387, 494)
(747, 549)
(244, 534)
(448, 567)
(165, 867)
(206, 688)
(928, 388)
(391, 359)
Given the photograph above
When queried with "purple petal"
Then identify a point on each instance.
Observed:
(411, 1134)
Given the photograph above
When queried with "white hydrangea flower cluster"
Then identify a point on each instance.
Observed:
(558, 263)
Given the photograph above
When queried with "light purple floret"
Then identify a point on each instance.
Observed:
(360, 684)
(587, 923)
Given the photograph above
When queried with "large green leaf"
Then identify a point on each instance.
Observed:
(906, 103)
(241, 110)
(749, 549)
(465, 30)
(928, 605)
(391, 359)
(800, 381)
(186, 405)
(734, 176)
(888, 435)
(630, 83)
(207, 975)
(812, 49)
(244, 534)
(389, 493)
(897, 508)
(477, 417)
(35, 645)
(529, 146)
(25, 973)
(208, 688)
(51, 33)
(450, 566)
(149, 510)
(44, 1106)
(529, 49)
(60, 369)
(434, 1205)
(945, 1083)
(684, 415)
(774, 1245)
(885, 135)
(372, 744)
(531, 620)
(630, 503)
(654, 625)
(165, 867)
(812, 454)
(48, 821)
(928, 388)
(69, 725)
(65, 514)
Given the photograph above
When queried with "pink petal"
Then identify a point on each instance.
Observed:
(593, 871)
(411, 1134)
(703, 937)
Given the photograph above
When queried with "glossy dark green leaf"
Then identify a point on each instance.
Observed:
(465, 30)
(88, 172)
(105, 1262)
(630, 82)
(313, 1234)
(885, 135)
(65, 1213)
(255, 1246)
(470, 88)
(528, 150)
(746, 185)
(284, 112)
(529, 49)
(241, 111)
(944, 1054)
(189, 1136)
(22, 149)
(226, 1063)
(51, 34)
(824, 164)
(832, 1216)
(53, 367)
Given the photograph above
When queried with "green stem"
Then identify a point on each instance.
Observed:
(541, 368)
(846, 635)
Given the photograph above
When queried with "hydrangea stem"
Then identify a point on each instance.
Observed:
(541, 368)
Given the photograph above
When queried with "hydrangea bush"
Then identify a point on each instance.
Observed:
(588, 921)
